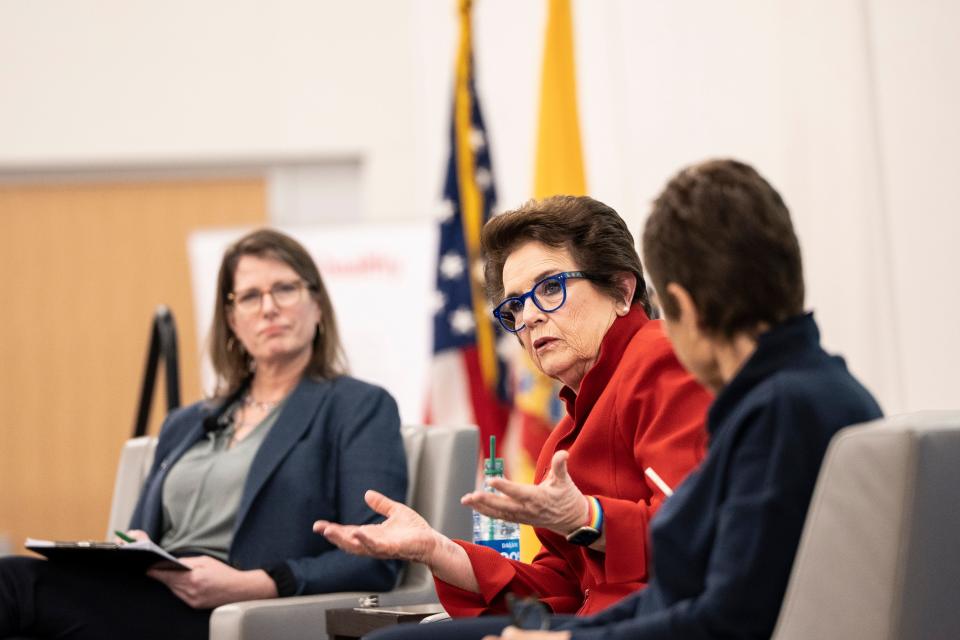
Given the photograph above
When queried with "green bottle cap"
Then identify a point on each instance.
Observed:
(493, 465)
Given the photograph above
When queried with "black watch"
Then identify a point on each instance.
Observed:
(584, 536)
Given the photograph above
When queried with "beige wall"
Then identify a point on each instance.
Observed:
(83, 267)
(846, 106)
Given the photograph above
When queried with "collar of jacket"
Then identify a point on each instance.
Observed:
(612, 346)
(294, 420)
(776, 349)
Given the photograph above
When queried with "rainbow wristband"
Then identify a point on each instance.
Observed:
(596, 514)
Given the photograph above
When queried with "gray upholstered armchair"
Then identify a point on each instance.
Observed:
(439, 461)
(879, 558)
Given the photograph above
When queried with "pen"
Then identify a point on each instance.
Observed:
(657, 480)
(123, 536)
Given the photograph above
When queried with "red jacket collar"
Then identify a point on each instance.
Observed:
(612, 346)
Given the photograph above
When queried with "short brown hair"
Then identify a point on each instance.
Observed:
(233, 364)
(595, 235)
(724, 234)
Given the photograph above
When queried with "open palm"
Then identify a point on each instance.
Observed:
(404, 534)
(556, 503)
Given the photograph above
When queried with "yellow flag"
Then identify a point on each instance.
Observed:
(559, 170)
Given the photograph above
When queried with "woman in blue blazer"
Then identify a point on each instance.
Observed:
(237, 481)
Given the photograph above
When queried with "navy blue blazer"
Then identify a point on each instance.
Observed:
(333, 440)
(723, 545)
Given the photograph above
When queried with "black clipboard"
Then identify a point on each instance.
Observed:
(135, 557)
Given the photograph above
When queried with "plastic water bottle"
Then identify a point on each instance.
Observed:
(500, 535)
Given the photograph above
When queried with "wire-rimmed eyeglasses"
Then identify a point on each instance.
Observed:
(548, 294)
(284, 294)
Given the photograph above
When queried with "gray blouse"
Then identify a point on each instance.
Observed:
(201, 494)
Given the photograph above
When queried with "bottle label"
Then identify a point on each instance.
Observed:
(509, 548)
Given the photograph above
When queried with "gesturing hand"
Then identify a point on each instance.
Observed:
(404, 534)
(211, 583)
(556, 503)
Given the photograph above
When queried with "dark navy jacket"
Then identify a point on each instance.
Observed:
(333, 440)
(723, 545)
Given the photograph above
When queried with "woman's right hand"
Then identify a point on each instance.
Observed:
(404, 534)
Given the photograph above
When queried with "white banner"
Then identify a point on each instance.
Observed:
(381, 279)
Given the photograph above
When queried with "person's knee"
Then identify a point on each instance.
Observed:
(17, 574)
(14, 568)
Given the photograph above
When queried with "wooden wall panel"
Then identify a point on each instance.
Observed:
(82, 267)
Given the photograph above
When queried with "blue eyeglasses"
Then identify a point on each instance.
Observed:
(549, 295)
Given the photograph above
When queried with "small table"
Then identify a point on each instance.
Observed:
(350, 624)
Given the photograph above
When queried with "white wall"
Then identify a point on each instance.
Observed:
(848, 107)
(917, 65)
(120, 82)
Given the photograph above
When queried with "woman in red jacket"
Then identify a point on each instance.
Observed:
(565, 278)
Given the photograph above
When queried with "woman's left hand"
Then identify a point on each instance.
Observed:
(513, 633)
(211, 583)
(556, 503)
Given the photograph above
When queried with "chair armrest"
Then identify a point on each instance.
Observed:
(300, 616)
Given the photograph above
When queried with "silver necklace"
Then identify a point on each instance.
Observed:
(256, 404)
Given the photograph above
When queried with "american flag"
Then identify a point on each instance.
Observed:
(468, 382)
